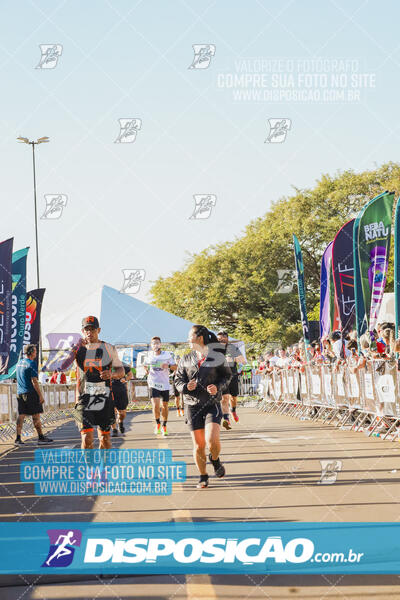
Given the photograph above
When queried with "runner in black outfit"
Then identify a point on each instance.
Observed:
(121, 399)
(94, 404)
(230, 394)
(201, 376)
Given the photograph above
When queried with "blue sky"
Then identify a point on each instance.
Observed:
(129, 204)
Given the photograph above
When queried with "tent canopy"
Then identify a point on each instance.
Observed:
(126, 320)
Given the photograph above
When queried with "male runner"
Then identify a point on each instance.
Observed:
(94, 406)
(121, 400)
(233, 358)
(157, 365)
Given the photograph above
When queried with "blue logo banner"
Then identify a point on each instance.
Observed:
(145, 548)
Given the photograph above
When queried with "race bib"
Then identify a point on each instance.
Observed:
(98, 393)
(158, 386)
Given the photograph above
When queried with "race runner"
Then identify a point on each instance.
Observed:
(157, 365)
(121, 400)
(94, 406)
(230, 394)
(201, 376)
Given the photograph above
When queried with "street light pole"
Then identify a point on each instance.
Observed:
(41, 140)
(36, 225)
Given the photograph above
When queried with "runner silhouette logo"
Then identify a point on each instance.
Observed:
(63, 543)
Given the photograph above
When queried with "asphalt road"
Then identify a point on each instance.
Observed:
(273, 473)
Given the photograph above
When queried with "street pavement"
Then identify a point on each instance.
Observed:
(273, 474)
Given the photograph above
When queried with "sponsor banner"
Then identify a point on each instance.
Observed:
(324, 304)
(225, 548)
(333, 305)
(397, 267)
(343, 274)
(18, 314)
(5, 303)
(361, 321)
(62, 350)
(302, 290)
(373, 252)
(34, 300)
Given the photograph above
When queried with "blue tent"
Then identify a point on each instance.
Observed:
(126, 320)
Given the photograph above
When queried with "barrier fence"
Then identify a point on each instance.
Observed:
(59, 400)
(368, 397)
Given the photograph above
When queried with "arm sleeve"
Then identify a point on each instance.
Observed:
(181, 378)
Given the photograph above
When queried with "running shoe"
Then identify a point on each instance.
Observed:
(219, 468)
(164, 431)
(19, 442)
(226, 424)
(157, 429)
(122, 428)
(45, 440)
(114, 432)
(203, 483)
(235, 417)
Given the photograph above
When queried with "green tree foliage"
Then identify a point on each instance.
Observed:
(233, 285)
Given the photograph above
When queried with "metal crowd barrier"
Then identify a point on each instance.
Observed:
(59, 400)
(365, 399)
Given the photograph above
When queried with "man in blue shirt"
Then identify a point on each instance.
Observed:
(29, 394)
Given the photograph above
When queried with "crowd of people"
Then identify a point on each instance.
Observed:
(335, 349)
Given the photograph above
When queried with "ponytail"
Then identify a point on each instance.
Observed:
(208, 336)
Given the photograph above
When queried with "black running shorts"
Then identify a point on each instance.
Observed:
(197, 416)
(29, 403)
(121, 399)
(232, 387)
(163, 394)
(95, 411)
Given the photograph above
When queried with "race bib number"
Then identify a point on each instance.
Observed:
(98, 393)
(158, 386)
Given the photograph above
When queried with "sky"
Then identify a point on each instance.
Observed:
(327, 72)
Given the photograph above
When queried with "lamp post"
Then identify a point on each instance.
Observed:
(42, 140)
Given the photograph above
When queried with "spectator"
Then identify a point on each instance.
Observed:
(283, 361)
(61, 377)
(43, 377)
(53, 378)
(29, 394)
(327, 351)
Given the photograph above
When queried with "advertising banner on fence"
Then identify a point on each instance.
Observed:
(5, 303)
(18, 315)
(373, 251)
(301, 289)
(34, 300)
(343, 274)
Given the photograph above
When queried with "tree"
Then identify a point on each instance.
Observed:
(233, 285)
